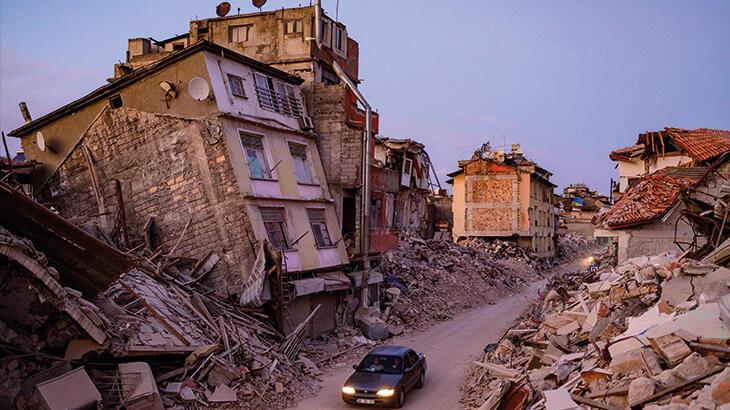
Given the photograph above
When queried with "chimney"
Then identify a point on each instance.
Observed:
(24, 112)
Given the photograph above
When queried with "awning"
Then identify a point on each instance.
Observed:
(375, 277)
(335, 281)
(308, 286)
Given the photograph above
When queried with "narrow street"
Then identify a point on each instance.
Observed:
(449, 347)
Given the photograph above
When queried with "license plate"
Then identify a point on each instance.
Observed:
(366, 401)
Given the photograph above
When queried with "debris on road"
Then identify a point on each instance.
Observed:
(647, 333)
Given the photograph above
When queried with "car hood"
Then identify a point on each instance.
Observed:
(373, 381)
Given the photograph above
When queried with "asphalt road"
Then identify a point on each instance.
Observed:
(449, 347)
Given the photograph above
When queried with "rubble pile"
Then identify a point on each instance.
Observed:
(204, 350)
(653, 332)
(571, 245)
(430, 280)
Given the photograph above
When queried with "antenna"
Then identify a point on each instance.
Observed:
(222, 9)
(198, 89)
(258, 4)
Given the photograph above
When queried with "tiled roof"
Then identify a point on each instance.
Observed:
(626, 152)
(702, 144)
(652, 197)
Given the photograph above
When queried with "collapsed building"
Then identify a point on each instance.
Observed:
(504, 195)
(578, 206)
(670, 207)
(401, 196)
(148, 154)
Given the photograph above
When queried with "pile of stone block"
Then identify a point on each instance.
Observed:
(651, 332)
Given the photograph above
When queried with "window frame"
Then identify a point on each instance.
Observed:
(264, 157)
(232, 29)
(236, 78)
(306, 163)
(281, 225)
(323, 228)
(278, 96)
(296, 23)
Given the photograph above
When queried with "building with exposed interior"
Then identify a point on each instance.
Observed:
(664, 180)
(504, 195)
(285, 39)
(202, 154)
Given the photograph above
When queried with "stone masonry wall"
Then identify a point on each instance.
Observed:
(169, 171)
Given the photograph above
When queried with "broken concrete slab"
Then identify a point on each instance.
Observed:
(72, 390)
(672, 348)
(713, 286)
(139, 389)
(559, 399)
(636, 362)
(641, 388)
(677, 290)
(373, 327)
(223, 394)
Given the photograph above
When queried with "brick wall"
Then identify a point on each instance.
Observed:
(168, 171)
(491, 219)
(492, 191)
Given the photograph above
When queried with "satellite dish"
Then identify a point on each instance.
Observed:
(198, 89)
(41, 141)
(222, 9)
(258, 3)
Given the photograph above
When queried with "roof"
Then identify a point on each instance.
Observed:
(113, 87)
(399, 144)
(390, 350)
(627, 153)
(652, 197)
(701, 144)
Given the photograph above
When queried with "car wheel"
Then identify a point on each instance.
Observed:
(421, 380)
(401, 399)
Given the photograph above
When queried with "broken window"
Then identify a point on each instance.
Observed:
(301, 166)
(253, 147)
(277, 96)
(275, 225)
(405, 178)
(293, 27)
(236, 84)
(376, 208)
(319, 227)
(239, 34)
(329, 77)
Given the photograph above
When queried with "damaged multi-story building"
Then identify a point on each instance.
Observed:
(329, 65)
(669, 181)
(504, 195)
(402, 191)
(201, 153)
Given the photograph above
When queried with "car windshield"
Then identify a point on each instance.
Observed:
(381, 364)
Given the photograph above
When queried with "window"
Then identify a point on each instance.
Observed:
(293, 27)
(319, 227)
(301, 166)
(116, 101)
(253, 147)
(236, 84)
(277, 96)
(329, 77)
(239, 34)
(376, 208)
(324, 33)
(405, 178)
(178, 46)
(340, 39)
(275, 225)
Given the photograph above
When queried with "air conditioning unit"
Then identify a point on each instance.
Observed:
(305, 123)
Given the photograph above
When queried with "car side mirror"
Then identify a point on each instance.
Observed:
(354, 366)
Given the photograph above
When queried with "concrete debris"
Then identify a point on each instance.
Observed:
(645, 333)
(430, 281)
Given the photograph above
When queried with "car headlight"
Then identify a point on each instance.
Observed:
(348, 390)
(385, 392)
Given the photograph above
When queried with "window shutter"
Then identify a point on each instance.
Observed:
(272, 214)
(316, 215)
